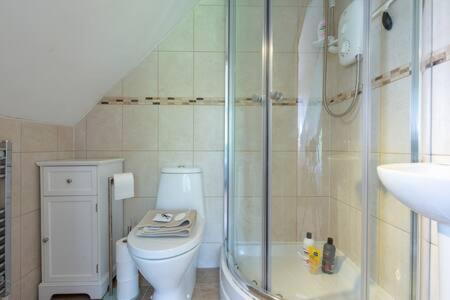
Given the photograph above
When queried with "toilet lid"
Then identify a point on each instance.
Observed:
(162, 248)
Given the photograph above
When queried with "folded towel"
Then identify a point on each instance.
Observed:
(180, 225)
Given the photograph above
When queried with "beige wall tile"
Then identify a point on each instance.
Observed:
(135, 209)
(248, 212)
(313, 174)
(395, 107)
(30, 284)
(248, 170)
(181, 37)
(345, 227)
(104, 128)
(30, 242)
(393, 263)
(209, 127)
(284, 174)
(285, 74)
(249, 20)
(142, 81)
(209, 28)
(249, 122)
(313, 216)
(80, 135)
(441, 9)
(346, 176)
(15, 249)
(65, 138)
(440, 110)
(284, 219)
(144, 166)
(214, 220)
(140, 127)
(169, 159)
(10, 129)
(16, 185)
(38, 137)
(286, 29)
(175, 74)
(30, 196)
(209, 74)
(284, 128)
(248, 74)
(211, 163)
(176, 130)
(103, 154)
(16, 288)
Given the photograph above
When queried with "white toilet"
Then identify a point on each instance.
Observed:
(169, 264)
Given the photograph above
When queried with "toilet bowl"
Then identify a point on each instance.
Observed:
(169, 264)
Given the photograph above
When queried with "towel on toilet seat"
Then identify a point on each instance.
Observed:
(180, 225)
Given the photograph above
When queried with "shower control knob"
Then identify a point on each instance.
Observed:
(45, 240)
(69, 181)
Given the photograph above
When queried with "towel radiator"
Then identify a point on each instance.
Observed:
(5, 217)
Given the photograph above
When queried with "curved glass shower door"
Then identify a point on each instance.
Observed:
(306, 131)
(245, 140)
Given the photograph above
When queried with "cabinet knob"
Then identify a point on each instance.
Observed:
(69, 181)
(45, 240)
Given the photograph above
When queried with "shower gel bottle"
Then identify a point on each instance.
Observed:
(329, 257)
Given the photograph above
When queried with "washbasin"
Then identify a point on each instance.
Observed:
(423, 187)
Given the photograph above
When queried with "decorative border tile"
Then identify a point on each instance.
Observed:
(437, 57)
(341, 97)
(186, 101)
(391, 76)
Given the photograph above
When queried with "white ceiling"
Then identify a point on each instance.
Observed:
(58, 57)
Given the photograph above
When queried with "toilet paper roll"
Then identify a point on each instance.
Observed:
(127, 290)
(125, 267)
(122, 253)
(123, 186)
(126, 271)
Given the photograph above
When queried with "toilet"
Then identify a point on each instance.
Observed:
(169, 264)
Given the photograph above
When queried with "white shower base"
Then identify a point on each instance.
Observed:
(292, 279)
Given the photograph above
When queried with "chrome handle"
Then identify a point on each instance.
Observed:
(257, 98)
(276, 96)
(69, 181)
(45, 240)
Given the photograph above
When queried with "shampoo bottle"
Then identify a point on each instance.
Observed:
(307, 242)
(329, 257)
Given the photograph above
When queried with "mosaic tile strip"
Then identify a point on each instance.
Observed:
(438, 57)
(186, 101)
(391, 76)
(341, 97)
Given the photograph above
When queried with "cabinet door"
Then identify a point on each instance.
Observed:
(69, 238)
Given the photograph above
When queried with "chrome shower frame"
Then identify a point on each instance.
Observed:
(263, 291)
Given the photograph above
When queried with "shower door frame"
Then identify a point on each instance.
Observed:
(267, 63)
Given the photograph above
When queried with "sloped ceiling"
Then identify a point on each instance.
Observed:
(58, 57)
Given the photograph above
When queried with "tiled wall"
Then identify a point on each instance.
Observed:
(177, 120)
(435, 125)
(389, 230)
(32, 142)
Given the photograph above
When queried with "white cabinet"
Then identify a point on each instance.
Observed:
(74, 226)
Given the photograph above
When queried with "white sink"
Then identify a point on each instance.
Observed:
(423, 187)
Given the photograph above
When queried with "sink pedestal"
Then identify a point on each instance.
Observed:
(444, 260)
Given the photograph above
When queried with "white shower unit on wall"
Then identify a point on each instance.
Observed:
(74, 226)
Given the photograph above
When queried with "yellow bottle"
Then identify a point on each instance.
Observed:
(315, 257)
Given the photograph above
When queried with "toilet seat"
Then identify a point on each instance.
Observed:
(165, 248)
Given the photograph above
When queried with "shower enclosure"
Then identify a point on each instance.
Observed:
(311, 110)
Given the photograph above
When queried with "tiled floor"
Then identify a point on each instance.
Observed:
(207, 288)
